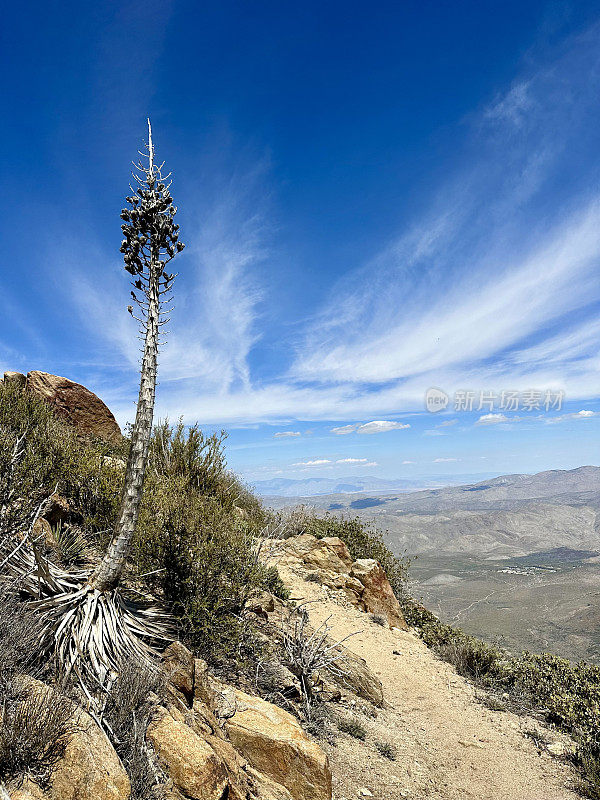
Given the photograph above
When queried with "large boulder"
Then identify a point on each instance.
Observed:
(266, 789)
(72, 401)
(378, 596)
(357, 676)
(274, 744)
(187, 758)
(89, 769)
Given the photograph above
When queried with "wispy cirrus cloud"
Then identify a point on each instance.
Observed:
(492, 286)
(286, 434)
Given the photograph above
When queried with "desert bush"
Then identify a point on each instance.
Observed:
(205, 565)
(51, 457)
(129, 705)
(470, 657)
(319, 725)
(36, 727)
(271, 581)
(379, 619)
(353, 727)
(199, 461)
(362, 539)
(387, 750)
(305, 651)
(19, 636)
(415, 613)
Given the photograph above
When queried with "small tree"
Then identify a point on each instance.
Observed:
(151, 241)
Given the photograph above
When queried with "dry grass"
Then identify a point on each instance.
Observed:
(36, 726)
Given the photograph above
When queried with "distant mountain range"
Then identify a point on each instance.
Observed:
(511, 515)
(310, 487)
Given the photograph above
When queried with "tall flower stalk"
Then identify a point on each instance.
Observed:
(151, 242)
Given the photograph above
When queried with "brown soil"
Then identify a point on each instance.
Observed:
(448, 744)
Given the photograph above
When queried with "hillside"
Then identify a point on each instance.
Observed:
(513, 558)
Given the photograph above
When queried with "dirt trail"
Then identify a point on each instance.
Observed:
(449, 746)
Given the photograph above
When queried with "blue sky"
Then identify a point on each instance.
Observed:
(377, 198)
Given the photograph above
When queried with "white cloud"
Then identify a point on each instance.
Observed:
(408, 462)
(492, 419)
(286, 434)
(583, 414)
(489, 288)
(318, 462)
(344, 429)
(381, 426)
(443, 460)
(377, 426)
(504, 306)
(352, 461)
(447, 423)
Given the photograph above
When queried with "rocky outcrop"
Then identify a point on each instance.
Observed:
(190, 762)
(72, 401)
(274, 744)
(327, 561)
(378, 596)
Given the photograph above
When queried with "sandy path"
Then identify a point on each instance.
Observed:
(449, 745)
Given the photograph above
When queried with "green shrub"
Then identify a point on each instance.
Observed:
(387, 750)
(470, 657)
(353, 728)
(199, 462)
(197, 535)
(53, 458)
